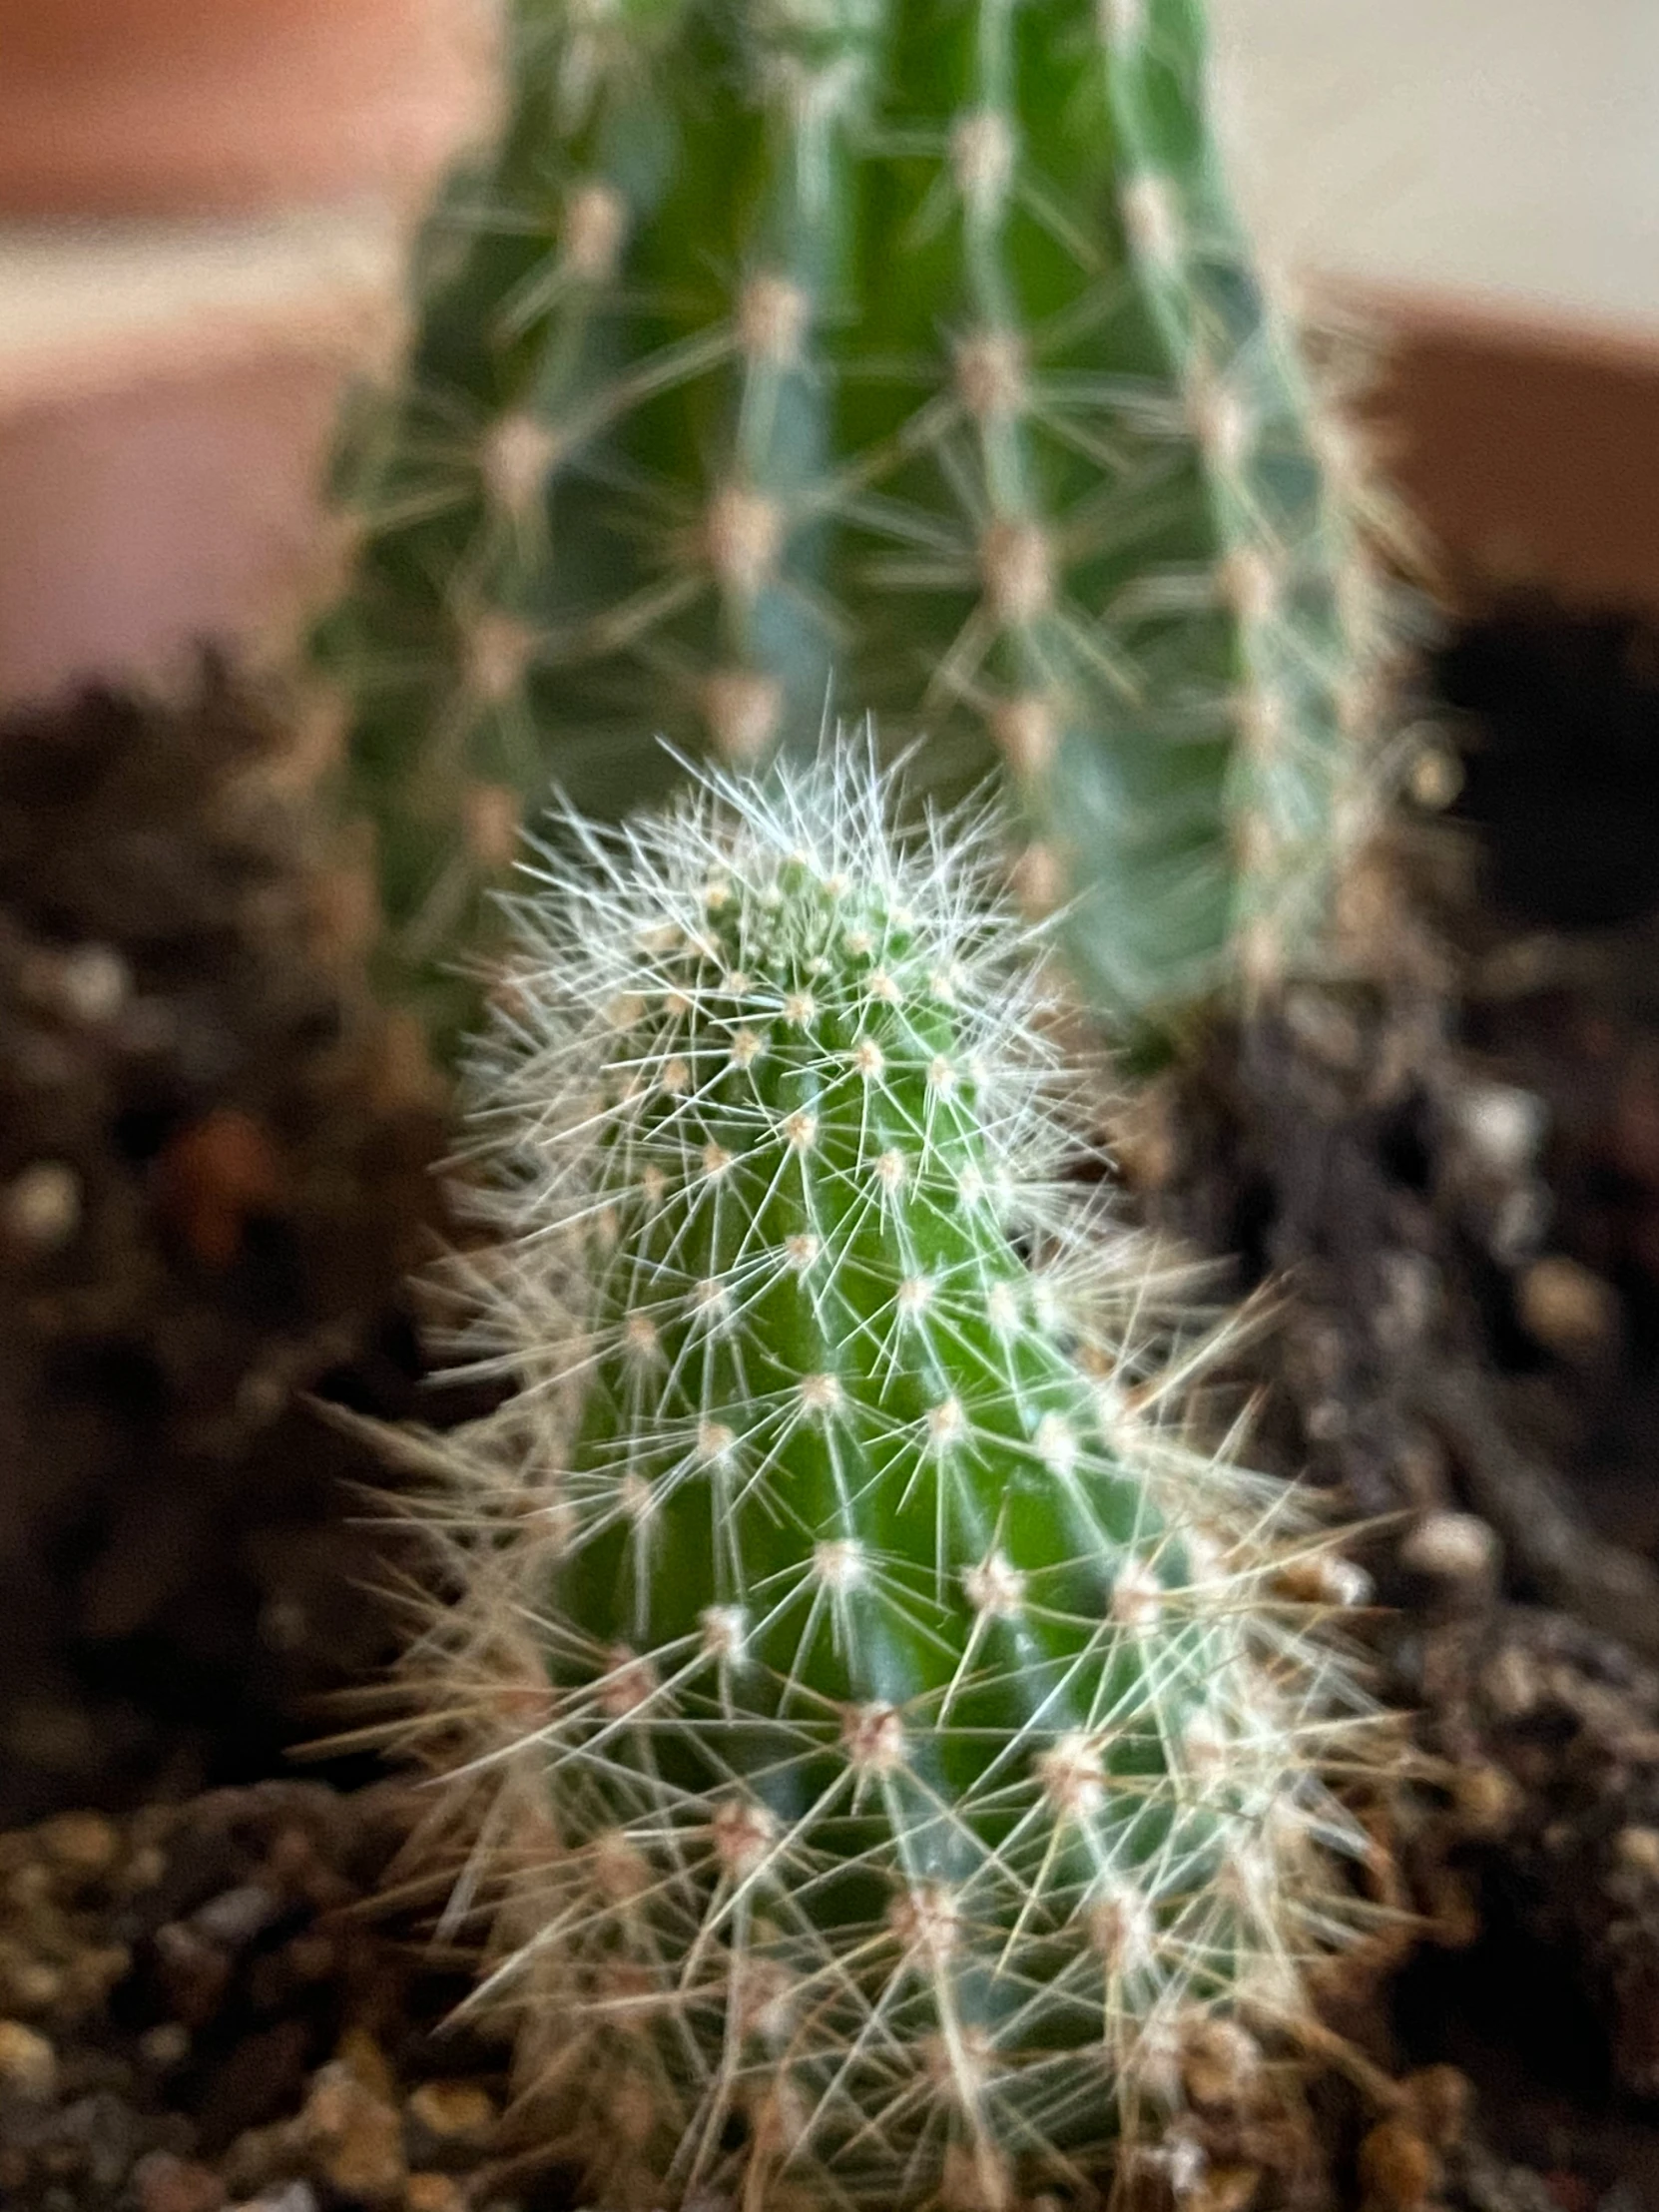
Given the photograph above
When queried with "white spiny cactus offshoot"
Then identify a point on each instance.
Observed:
(886, 1737)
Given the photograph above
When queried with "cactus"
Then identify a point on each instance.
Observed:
(901, 351)
(891, 1745)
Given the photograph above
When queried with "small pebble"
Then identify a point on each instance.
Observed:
(1411, 1295)
(1486, 1797)
(165, 2046)
(215, 1175)
(93, 982)
(94, 1971)
(1440, 2098)
(40, 1209)
(353, 2138)
(1521, 966)
(98, 2138)
(1566, 1309)
(194, 1973)
(236, 1917)
(291, 1856)
(28, 2063)
(363, 2057)
(1512, 1684)
(166, 2183)
(1570, 2192)
(1435, 776)
(1520, 1222)
(144, 1870)
(434, 2193)
(284, 1623)
(290, 2196)
(1502, 1126)
(260, 2161)
(1327, 1423)
(1451, 1548)
(30, 1984)
(1397, 2169)
(84, 1842)
(1638, 1849)
(29, 1886)
(453, 2111)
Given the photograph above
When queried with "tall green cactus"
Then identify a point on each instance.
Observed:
(899, 352)
(896, 1752)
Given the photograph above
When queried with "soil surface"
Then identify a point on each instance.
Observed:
(213, 1170)
(1451, 1171)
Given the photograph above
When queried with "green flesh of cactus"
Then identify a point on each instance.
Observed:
(900, 354)
(889, 1756)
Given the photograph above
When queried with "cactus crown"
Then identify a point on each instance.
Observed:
(890, 1735)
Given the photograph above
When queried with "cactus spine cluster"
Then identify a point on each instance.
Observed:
(905, 352)
(893, 1744)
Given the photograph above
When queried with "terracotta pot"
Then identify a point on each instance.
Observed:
(157, 469)
(1527, 445)
(153, 107)
(166, 404)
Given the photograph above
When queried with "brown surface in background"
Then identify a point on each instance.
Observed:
(169, 106)
(174, 497)
(159, 475)
(1529, 449)
(138, 522)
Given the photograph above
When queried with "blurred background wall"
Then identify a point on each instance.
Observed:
(1504, 150)
(1486, 173)
(201, 203)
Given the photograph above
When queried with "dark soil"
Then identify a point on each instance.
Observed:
(1447, 1158)
(211, 1177)
(202, 2009)
(1452, 1170)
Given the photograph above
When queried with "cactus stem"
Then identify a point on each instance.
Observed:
(894, 1752)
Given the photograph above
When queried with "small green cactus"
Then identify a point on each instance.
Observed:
(900, 352)
(893, 1744)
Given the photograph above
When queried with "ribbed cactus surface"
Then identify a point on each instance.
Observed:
(891, 1741)
(899, 351)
